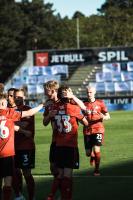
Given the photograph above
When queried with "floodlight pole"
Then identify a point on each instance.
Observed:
(77, 26)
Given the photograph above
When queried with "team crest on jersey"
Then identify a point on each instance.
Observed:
(96, 107)
(94, 111)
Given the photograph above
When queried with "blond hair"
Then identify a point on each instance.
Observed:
(52, 85)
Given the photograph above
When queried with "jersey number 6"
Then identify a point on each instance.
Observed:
(4, 131)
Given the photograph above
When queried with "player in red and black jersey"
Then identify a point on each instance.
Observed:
(7, 118)
(95, 112)
(50, 91)
(24, 149)
(65, 122)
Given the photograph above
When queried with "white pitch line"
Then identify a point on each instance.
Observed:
(84, 176)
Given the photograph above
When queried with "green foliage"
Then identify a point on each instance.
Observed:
(118, 22)
(11, 26)
(33, 25)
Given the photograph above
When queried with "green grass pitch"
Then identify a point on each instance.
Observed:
(116, 181)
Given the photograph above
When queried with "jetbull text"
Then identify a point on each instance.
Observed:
(67, 58)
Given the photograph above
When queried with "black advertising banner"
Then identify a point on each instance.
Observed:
(83, 56)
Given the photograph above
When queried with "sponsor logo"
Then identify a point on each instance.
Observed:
(67, 58)
(41, 59)
(112, 55)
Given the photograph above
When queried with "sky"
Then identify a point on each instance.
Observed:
(68, 7)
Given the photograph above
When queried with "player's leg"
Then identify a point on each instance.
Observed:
(18, 176)
(71, 161)
(97, 140)
(1, 177)
(92, 158)
(25, 161)
(55, 171)
(17, 182)
(0, 188)
(57, 174)
(30, 183)
(52, 159)
(56, 184)
(88, 149)
(28, 165)
(67, 184)
(87, 145)
(6, 172)
(97, 160)
(7, 188)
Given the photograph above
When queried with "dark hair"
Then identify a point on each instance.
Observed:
(11, 89)
(59, 94)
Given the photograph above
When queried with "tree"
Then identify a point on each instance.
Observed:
(11, 25)
(119, 18)
(33, 25)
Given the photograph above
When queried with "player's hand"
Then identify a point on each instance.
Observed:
(96, 116)
(16, 128)
(67, 94)
(43, 104)
(52, 113)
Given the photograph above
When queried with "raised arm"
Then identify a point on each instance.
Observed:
(70, 95)
(19, 130)
(32, 111)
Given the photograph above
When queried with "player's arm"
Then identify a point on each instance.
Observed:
(105, 116)
(104, 112)
(18, 129)
(22, 124)
(102, 116)
(32, 111)
(69, 94)
(84, 121)
(48, 117)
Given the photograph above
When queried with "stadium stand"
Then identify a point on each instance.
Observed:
(82, 78)
(32, 78)
(111, 79)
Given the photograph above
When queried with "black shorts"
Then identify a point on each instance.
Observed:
(25, 159)
(92, 140)
(6, 166)
(52, 156)
(67, 157)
